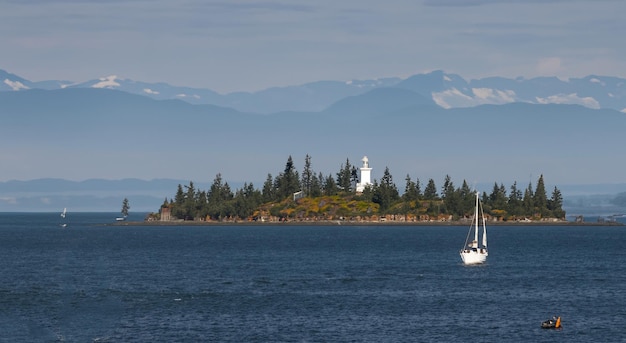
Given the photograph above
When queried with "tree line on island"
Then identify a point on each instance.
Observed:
(313, 196)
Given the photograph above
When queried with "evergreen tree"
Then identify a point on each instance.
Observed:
(409, 195)
(540, 198)
(368, 192)
(430, 192)
(125, 207)
(189, 204)
(288, 182)
(528, 203)
(307, 176)
(450, 197)
(497, 198)
(201, 204)
(386, 193)
(330, 186)
(218, 199)
(179, 203)
(354, 178)
(410, 190)
(466, 198)
(246, 201)
(344, 177)
(268, 189)
(515, 201)
(448, 187)
(556, 204)
(418, 188)
(317, 185)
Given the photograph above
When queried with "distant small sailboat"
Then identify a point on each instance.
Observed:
(63, 215)
(473, 252)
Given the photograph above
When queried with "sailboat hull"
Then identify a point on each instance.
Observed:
(474, 257)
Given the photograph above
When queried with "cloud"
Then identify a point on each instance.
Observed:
(571, 99)
(9, 200)
(466, 3)
(150, 91)
(549, 66)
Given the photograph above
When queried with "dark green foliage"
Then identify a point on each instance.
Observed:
(179, 201)
(329, 187)
(555, 204)
(344, 177)
(125, 207)
(515, 201)
(316, 186)
(219, 202)
(307, 176)
(269, 193)
(386, 193)
(411, 190)
(430, 192)
(466, 198)
(528, 202)
(497, 198)
(288, 182)
(540, 199)
(451, 197)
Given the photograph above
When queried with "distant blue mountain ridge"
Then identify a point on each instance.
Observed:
(427, 124)
(445, 90)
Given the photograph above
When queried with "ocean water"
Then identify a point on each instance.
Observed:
(90, 282)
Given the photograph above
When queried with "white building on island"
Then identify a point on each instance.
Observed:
(365, 177)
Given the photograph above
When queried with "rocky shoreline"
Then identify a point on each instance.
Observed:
(356, 223)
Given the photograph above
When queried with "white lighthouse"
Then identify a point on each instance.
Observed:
(366, 175)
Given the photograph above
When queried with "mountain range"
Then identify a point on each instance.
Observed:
(425, 126)
(446, 90)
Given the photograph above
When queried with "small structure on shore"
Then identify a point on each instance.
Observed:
(166, 214)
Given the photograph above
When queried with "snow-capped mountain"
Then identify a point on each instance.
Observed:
(446, 90)
(426, 125)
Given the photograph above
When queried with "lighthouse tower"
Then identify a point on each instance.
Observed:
(365, 177)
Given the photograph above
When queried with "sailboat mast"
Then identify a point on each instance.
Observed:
(476, 220)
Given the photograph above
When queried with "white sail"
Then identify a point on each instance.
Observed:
(484, 230)
(63, 213)
(485, 237)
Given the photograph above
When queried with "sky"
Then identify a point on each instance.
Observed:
(241, 45)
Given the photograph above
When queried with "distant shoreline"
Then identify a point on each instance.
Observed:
(353, 223)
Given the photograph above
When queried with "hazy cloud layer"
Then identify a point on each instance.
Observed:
(249, 45)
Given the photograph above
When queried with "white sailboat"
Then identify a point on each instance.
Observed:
(473, 252)
(63, 214)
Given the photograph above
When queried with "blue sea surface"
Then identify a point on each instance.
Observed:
(91, 282)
